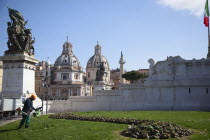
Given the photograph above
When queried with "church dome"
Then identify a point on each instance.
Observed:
(67, 58)
(97, 59)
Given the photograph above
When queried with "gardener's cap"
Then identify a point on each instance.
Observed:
(33, 96)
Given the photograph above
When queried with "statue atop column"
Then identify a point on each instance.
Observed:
(19, 37)
(122, 62)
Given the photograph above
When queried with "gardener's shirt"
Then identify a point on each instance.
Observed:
(28, 104)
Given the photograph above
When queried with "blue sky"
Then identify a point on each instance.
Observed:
(142, 29)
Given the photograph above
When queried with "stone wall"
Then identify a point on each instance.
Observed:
(174, 85)
(137, 98)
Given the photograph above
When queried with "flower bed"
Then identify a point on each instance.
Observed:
(156, 130)
(141, 129)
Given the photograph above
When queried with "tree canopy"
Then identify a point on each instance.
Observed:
(134, 75)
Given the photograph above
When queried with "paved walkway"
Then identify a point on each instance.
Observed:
(9, 120)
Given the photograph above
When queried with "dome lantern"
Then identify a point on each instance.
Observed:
(67, 47)
(97, 49)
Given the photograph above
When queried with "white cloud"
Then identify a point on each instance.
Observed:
(195, 7)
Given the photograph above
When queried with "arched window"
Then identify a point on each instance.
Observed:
(76, 76)
(74, 62)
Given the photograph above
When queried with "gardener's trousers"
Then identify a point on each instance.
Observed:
(26, 120)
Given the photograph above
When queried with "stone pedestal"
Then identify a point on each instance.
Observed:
(99, 85)
(18, 75)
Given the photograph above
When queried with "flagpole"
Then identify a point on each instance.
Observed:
(208, 55)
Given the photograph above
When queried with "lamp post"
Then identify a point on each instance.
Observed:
(47, 86)
(45, 83)
(42, 93)
(43, 90)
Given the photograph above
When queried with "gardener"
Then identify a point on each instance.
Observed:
(27, 109)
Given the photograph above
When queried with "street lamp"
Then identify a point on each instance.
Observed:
(45, 83)
(43, 90)
(47, 86)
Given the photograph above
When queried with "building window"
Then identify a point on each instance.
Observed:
(64, 76)
(76, 76)
(207, 90)
(88, 74)
(189, 90)
(65, 61)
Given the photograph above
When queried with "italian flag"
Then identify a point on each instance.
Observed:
(206, 14)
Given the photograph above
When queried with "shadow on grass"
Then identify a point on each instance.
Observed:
(7, 130)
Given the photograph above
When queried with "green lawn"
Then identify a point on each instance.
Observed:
(60, 129)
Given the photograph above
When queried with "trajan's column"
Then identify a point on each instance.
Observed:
(18, 61)
(122, 62)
